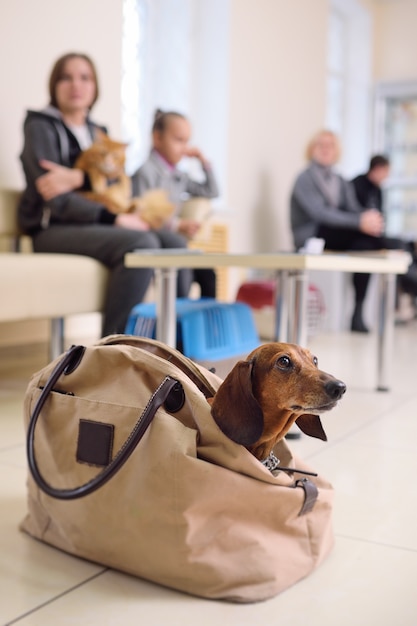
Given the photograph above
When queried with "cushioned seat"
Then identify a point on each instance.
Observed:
(39, 286)
(44, 286)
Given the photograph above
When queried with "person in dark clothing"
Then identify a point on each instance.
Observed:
(57, 217)
(368, 186)
(369, 194)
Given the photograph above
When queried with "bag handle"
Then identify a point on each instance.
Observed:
(156, 400)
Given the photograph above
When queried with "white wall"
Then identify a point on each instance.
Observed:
(395, 46)
(277, 101)
(33, 36)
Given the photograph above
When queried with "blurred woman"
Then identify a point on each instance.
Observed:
(61, 220)
(324, 204)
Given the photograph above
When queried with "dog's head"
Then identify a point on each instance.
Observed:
(278, 384)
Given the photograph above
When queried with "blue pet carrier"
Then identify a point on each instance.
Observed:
(207, 330)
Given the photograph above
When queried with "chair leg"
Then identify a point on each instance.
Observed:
(56, 341)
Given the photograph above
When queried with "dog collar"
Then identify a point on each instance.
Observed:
(271, 462)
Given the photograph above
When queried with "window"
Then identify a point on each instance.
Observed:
(349, 82)
(175, 57)
(336, 72)
(133, 65)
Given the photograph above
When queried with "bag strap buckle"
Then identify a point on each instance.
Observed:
(310, 494)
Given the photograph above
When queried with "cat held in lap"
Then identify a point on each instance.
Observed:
(104, 162)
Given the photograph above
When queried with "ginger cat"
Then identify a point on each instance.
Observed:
(104, 162)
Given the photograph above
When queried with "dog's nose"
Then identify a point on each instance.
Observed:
(335, 389)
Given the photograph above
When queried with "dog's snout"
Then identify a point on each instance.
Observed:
(335, 389)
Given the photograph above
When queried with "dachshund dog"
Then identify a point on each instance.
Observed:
(261, 398)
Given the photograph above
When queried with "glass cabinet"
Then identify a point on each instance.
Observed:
(396, 136)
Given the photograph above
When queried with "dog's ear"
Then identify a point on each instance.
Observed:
(235, 409)
(311, 425)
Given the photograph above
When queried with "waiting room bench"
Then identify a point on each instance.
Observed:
(54, 286)
(44, 286)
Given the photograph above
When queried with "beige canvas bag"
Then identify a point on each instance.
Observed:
(128, 469)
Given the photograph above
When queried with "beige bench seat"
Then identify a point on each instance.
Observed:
(39, 286)
(53, 286)
(45, 286)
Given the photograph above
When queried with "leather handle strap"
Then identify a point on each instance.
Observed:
(310, 494)
(155, 401)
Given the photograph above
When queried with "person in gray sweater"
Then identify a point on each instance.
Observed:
(171, 133)
(323, 204)
(54, 213)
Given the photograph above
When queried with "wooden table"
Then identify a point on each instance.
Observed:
(291, 301)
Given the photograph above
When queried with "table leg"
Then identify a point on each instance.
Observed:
(387, 284)
(291, 307)
(166, 317)
(298, 309)
(56, 340)
(282, 293)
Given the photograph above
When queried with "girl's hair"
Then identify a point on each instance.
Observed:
(162, 118)
(58, 71)
(311, 144)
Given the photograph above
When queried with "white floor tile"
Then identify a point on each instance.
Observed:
(31, 573)
(359, 584)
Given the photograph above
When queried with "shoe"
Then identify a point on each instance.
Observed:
(293, 433)
(357, 325)
(406, 309)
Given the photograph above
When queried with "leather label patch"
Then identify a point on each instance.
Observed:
(95, 443)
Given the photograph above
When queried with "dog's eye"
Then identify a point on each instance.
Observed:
(315, 361)
(284, 362)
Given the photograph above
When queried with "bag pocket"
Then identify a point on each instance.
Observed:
(75, 438)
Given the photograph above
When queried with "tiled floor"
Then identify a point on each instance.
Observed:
(371, 459)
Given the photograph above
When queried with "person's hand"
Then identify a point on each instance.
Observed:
(188, 228)
(58, 180)
(371, 223)
(132, 221)
(195, 153)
